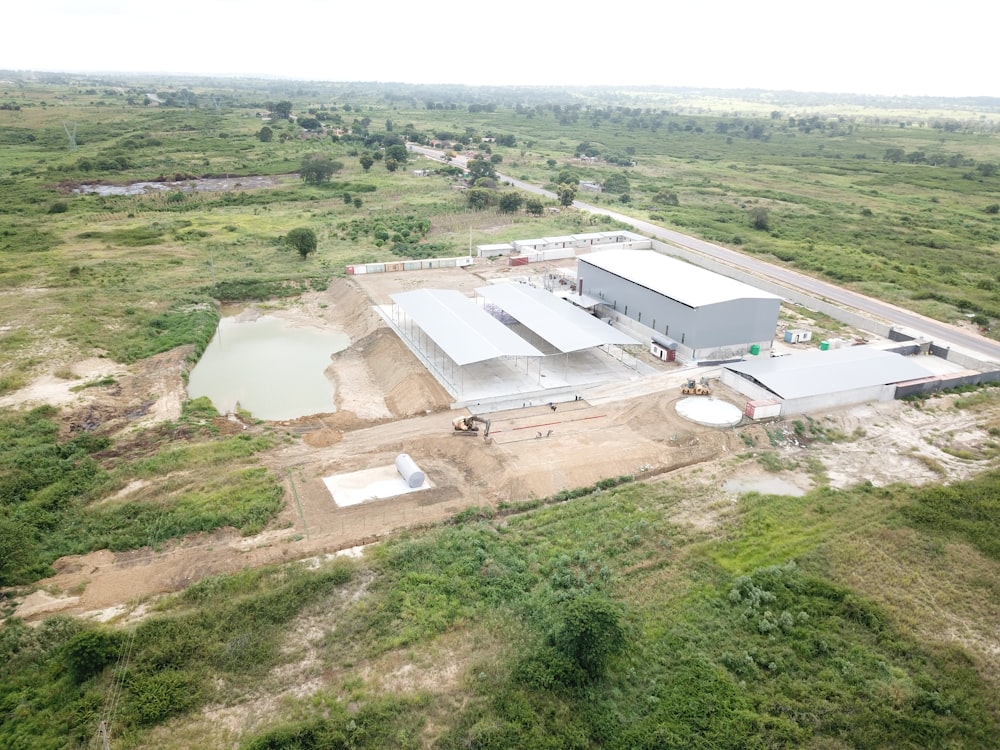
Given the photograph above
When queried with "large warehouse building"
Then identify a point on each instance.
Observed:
(707, 316)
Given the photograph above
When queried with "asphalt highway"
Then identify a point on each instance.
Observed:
(942, 334)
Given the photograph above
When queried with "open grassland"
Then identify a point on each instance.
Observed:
(861, 618)
(602, 621)
(901, 205)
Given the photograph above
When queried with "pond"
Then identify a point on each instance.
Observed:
(270, 367)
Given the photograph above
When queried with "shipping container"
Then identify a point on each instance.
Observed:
(762, 409)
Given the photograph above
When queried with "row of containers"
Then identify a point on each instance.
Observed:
(542, 255)
(408, 265)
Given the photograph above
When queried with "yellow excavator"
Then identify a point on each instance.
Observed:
(696, 389)
(470, 426)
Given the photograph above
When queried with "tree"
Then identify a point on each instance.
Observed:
(318, 168)
(567, 194)
(590, 632)
(479, 198)
(510, 202)
(281, 110)
(616, 183)
(397, 152)
(667, 198)
(265, 134)
(391, 164)
(366, 161)
(479, 167)
(760, 218)
(90, 651)
(310, 123)
(534, 206)
(302, 239)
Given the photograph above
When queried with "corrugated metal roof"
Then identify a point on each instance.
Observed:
(567, 328)
(463, 330)
(684, 282)
(816, 372)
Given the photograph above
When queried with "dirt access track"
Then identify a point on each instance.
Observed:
(388, 404)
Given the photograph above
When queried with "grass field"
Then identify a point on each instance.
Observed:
(860, 618)
(771, 630)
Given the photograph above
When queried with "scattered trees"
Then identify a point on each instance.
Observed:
(616, 183)
(398, 152)
(302, 239)
(318, 168)
(567, 194)
(590, 632)
(510, 202)
(282, 110)
(479, 167)
(666, 198)
(760, 218)
(479, 199)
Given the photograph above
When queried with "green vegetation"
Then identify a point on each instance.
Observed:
(60, 495)
(594, 618)
(598, 622)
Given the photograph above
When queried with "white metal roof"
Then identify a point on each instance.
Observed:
(684, 282)
(567, 328)
(815, 372)
(463, 330)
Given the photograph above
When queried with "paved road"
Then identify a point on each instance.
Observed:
(942, 333)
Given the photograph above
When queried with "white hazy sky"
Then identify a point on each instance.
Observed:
(889, 47)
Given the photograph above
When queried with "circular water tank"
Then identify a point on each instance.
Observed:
(409, 470)
(710, 412)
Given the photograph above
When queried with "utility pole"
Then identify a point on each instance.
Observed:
(105, 740)
(71, 136)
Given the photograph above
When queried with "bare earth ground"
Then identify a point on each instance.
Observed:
(387, 403)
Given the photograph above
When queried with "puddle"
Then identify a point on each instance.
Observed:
(764, 486)
(272, 368)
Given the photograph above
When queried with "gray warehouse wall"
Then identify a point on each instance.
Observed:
(725, 324)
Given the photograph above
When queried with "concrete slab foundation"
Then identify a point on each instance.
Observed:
(369, 484)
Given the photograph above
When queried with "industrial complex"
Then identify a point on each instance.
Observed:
(580, 312)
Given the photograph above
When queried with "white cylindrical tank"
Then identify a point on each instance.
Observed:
(409, 470)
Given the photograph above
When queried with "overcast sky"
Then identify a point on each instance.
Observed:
(851, 46)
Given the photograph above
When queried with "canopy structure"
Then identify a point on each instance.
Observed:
(460, 328)
(567, 328)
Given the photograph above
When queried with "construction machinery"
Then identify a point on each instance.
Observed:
(470, 426)
(693, 388)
